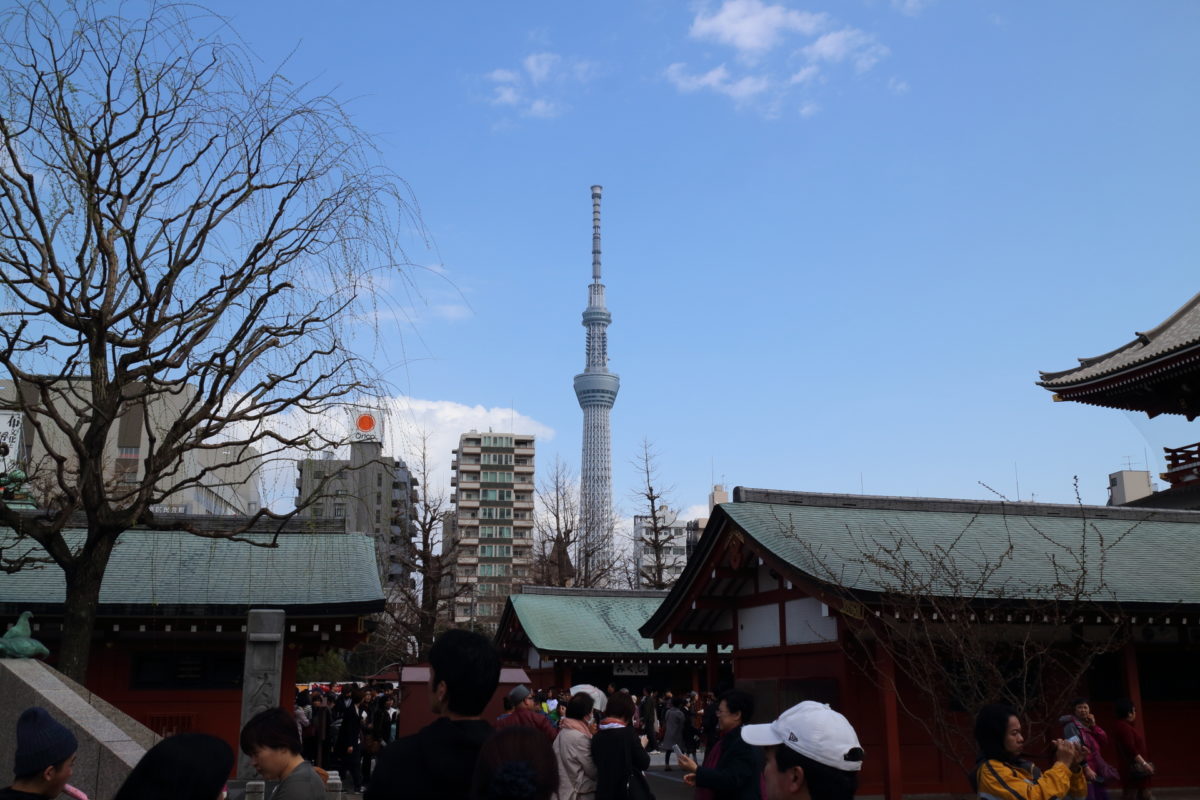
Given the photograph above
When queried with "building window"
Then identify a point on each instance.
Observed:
(378, 479)
(339, 510)
(495, 550)
(497, 441)
(318, 511)
(128, 452)
(496, 477)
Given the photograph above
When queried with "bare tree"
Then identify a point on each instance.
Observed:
(656, 543)
(556, 528)
(417, 609)
(184, 248)
(562, 555)
(961, 628)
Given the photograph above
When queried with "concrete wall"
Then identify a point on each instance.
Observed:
(110, 743)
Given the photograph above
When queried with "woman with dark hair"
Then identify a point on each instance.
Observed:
(573, 749)
(187, 766)
(1135, 769)
(271, 741)
(1081, 726)
(515, 764)
(1002, 773)
(620, 754)
(731, 767)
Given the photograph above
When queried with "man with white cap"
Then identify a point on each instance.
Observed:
(812, 753)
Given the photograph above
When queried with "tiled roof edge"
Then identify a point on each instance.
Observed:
(573, 591)
(743, 494)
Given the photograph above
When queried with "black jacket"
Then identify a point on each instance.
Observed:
(736, 774)
(437, 761)
(350, 734)
(616, 752)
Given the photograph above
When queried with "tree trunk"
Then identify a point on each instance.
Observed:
(84, 578)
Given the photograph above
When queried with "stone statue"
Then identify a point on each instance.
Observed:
(17, 643)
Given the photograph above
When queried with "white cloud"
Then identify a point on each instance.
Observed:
(717, 80)
(754, 27)
(540, 65)
(506, 96)
(540, 88)
(897, 85)
(806, 75)
(910, 8)
(789, 79)
(847, 44)
(452, 311)
(543, 109)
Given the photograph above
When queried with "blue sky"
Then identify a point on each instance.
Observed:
(840, 239)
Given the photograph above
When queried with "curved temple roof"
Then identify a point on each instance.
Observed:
(1178, 332)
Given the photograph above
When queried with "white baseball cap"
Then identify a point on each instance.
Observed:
(812, 729)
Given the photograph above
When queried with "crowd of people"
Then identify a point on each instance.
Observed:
(591, 745)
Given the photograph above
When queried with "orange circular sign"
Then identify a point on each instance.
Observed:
(365, 423)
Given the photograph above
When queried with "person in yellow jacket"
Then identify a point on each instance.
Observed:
(1003, 774)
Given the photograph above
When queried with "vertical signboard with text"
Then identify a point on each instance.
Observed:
(10, 440)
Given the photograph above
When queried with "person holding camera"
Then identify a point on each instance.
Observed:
(1003, 773)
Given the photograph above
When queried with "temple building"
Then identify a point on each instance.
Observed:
(820, 597)
(170, 637)
(1156, 373)
(563, 637)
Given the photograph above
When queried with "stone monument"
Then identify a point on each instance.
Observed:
(262, 676)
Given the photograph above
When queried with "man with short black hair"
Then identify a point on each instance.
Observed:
(438, 761)
(45, 757)
(812, 753)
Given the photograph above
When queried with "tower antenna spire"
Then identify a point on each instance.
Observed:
(596, 190)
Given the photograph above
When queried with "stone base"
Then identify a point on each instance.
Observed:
(110, 743)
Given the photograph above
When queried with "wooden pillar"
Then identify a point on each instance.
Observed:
(711, 665)
(892, 777)
(695, 678)
(1133, 686)
(567, 682)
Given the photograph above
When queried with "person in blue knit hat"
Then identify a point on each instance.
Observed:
(45, 757)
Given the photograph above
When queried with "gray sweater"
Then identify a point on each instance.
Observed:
(303, 784)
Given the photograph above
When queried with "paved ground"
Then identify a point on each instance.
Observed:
(667, 785)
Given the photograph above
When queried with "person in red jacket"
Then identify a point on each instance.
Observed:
(1136, 770)
(525, 713)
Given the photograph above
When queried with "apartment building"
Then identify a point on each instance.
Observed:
(373, 493)
(490, 542)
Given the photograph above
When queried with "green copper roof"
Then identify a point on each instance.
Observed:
(572, 621)
(171, 568)
(1148, 556)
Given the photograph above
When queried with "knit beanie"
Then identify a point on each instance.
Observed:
(41, 742)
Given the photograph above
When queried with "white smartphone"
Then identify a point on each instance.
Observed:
(676, 750)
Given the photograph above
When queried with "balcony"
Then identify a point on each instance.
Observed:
(522, 451)
(1183, 464)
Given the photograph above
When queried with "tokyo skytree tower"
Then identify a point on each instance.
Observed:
(596, 389)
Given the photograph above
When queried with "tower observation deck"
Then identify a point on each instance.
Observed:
(596, 389)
